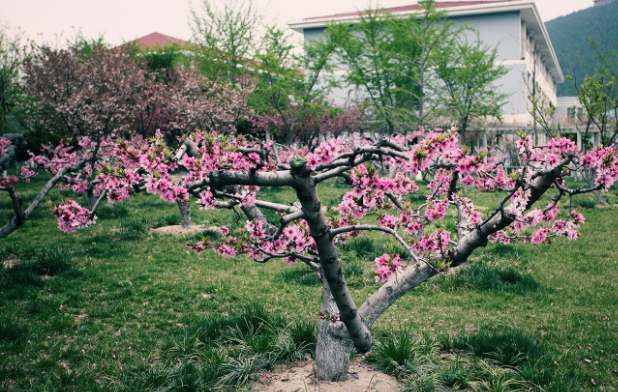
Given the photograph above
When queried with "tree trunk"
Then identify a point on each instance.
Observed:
(185, 214)
(332, 355)
(333, 352)
(91, 198)
(590, 181)
(600, 198)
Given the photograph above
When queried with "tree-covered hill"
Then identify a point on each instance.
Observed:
(570, 34)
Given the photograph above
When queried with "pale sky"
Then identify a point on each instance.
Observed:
(125, 20)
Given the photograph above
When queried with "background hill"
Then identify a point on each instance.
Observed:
(569, 35)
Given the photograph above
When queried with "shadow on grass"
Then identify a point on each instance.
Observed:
(12, 333)
(50, 261)
(526, 354)
(483, 277)
(504, 250)
(300, 275)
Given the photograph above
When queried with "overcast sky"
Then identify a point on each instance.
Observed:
(125, 20)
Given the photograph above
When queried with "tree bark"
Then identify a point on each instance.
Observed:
(91, 198)
(185, 214)
(332, 355)
(596, 194)
(333, 352)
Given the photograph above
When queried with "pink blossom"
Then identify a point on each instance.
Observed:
(388, 267)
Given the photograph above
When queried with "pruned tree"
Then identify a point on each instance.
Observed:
(66, 166)
(228, 173)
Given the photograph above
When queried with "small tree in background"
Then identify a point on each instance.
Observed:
(600, 110)
(290, 92)
(12, 52)
(87, 91)
(390, 58)
(469, 79)
(372, 54)
(226, 34)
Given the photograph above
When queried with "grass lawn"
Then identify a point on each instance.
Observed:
(113, 307)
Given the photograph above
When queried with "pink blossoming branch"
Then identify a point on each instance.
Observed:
(21, 214)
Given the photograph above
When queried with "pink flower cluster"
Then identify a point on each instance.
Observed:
(468, 210)
(388, 267)
(325, 153)
(568, 229)
(438, 241)
(371, 191)
(436, 210)
(331, 318)
(3, 143)
(72, 216)
(519, 202)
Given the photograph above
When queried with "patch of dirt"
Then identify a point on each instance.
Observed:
(178, 230)
(80, 317)
(303, 379)
(10, 263)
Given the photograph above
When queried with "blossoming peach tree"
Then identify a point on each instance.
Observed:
(90, 165)
(228, 173)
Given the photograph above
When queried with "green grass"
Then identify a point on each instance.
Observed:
(114, 307)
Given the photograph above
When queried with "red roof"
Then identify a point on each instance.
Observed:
(414, 7)
(158, 39)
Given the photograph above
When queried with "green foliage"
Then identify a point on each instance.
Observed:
(226, 37)
(13, 104)
(388, 58)
(304, 334)
(469, 74)
(282, 90)
(164, 61)
(363, 247)
(599, 99)
(456, 375)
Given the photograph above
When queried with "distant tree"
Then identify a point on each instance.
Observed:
(290, 91)
(469, 79)
(365, 51)
(13, 47)
(430, 31)
(226, 35)
(88, 91)
(599, 109)
(198, 103)
(390, 58)
(542, 112)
